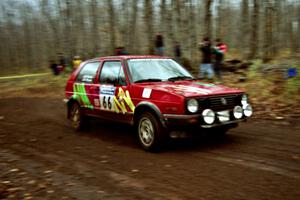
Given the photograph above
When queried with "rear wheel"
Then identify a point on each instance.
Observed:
(77, 118)
(151, 134)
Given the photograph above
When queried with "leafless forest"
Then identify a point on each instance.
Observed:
(35, 31)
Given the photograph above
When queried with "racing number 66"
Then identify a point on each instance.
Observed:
(104, 102)
(108, 104)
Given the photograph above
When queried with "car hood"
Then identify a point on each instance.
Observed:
(191, 88)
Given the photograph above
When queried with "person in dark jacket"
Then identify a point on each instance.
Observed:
(54, 67)
(206, 66)
(219, 51)
(177, 52)
(159, 45)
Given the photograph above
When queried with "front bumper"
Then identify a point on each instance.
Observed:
(175, 121)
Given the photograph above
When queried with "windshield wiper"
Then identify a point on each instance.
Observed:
(177, 78)
(148, 80)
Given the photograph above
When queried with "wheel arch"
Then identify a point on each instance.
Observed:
(147, 107)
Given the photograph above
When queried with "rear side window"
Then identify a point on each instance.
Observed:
(112, 73)
(88, 72)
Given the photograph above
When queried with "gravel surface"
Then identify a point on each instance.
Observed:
(41, 157)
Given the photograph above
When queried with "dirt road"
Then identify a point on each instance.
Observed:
(41, 157)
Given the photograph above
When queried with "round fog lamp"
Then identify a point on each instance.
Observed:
(238, 112)
(248, 110)
(208, 116)
(192, 105)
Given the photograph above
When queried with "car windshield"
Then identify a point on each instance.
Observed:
(153, 70)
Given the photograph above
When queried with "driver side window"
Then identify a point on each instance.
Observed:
(112, 73)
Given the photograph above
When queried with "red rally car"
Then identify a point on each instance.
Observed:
(153, 93)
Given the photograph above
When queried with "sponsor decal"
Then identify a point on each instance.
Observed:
(121, 100)
(107, 90)
(147, 93)
(120, 103)
(107, 103)
(185, 88)
(107, 94)
(80, 94)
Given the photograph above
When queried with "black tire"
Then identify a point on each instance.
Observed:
(77, 118)
(151, 134)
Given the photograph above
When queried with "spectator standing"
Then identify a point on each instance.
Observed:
(177, 52)
(62, 62)
(159, 45)
(54, 67)
(120, 51)
(219, 51)
(76, 62)
(206, 66)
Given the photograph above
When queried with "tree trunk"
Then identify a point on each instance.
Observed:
(163, 24)
(70, 42)
(207, 19)
(178, 10)
(268, 39)
(112, 25)
(255, 30)
(298, 28)
(220, 29)
(148, 16)
(245, 28)
(192, 32)
(170, 26)
(133, 40)
(95, 34)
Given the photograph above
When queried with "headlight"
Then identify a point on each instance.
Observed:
(248, 110)
(208, 116)
(192, 105)
(244, 99)
(238, 112)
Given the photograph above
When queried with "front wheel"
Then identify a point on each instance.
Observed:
(151, 134)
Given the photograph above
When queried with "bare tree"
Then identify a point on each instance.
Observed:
(31, 34)
(207, 18)
(245, 27)
(94, 28)
(254, 30)
(148, 16)
(133, 27)
(170, 27)
(268, 32)
(220, 29)
(192, 32)
(112, 25)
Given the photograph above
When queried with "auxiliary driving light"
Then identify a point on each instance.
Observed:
(208, 116)
(248, 110)
(238, 112)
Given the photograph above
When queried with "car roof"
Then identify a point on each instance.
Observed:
(127, 57)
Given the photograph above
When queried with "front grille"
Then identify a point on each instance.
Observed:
(220, 102)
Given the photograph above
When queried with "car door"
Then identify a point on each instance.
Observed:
(86, 89)
(115, 101)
